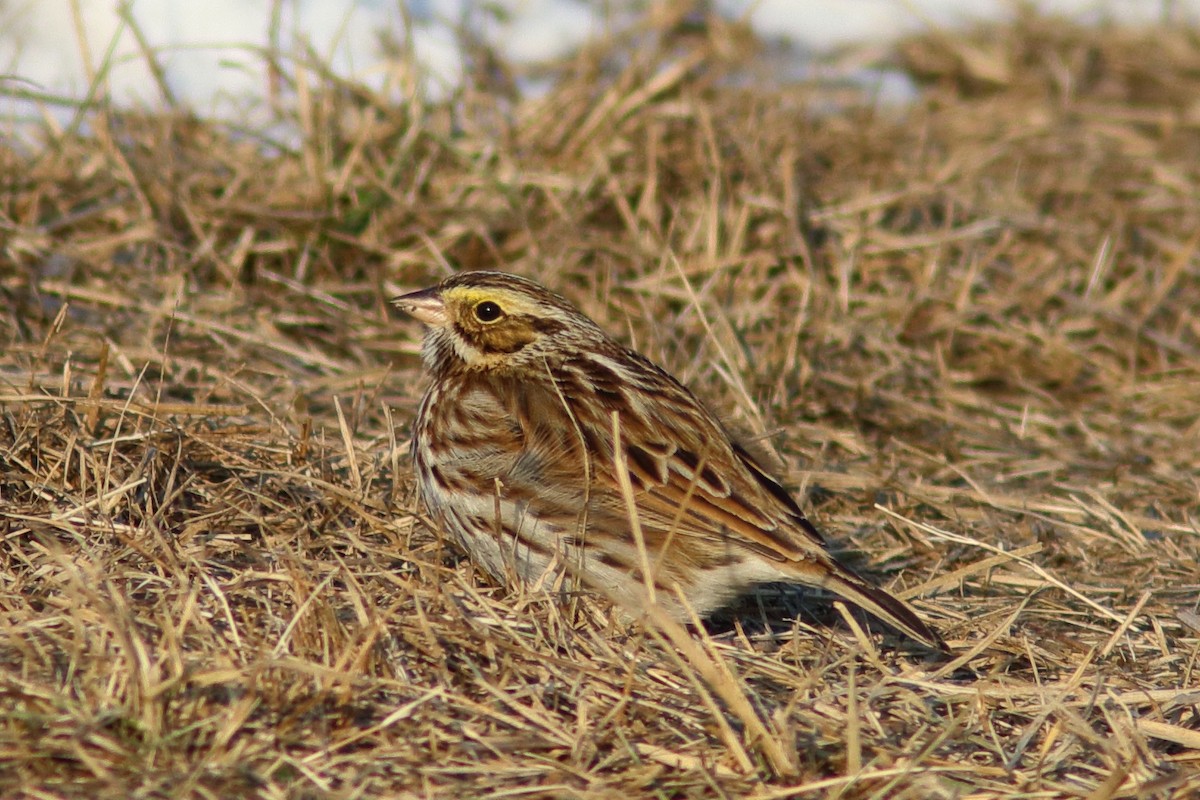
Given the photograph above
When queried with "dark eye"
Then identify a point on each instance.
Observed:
(487, 311)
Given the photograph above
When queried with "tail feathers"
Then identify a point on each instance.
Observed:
(883, 605)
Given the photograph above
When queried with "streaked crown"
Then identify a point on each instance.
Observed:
(493, 320)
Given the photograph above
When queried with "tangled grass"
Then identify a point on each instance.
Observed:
(966, 324)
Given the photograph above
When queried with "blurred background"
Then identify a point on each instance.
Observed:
(211, 57)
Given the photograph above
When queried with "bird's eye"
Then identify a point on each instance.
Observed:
(487, 311)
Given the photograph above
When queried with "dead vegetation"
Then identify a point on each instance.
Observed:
(967, 324)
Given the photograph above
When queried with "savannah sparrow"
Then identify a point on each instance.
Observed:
(514, 453)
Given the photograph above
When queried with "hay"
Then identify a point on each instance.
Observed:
(966, 325)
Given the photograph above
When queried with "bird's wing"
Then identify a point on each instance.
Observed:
(745, 506)
(710, 493)
(706, 499)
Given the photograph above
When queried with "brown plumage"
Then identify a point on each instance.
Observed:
(515, 457)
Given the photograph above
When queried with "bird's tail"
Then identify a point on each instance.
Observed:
(881, 604)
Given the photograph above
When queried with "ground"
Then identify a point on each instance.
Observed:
(965, 324)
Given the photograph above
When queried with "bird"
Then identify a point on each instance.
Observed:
(559, 457)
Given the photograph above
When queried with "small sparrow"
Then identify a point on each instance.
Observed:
(559, 457)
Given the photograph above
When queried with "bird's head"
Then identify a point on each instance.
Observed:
(494, 321)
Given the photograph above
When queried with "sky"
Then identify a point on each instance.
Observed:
(209, 50)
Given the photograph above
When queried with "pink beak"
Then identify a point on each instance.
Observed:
(426, 305)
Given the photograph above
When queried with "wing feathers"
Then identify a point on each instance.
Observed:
(706, 494)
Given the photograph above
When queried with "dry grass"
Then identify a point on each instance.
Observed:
(968, 326)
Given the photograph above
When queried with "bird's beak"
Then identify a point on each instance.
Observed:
(426, 305)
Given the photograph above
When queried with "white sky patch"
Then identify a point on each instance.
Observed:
(832, 23)
(208, 50)
(546, 29)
